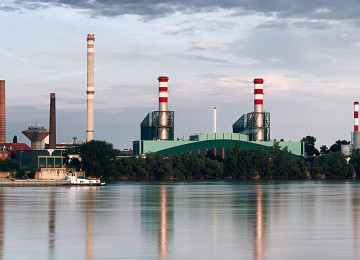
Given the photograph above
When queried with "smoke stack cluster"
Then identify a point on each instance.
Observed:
(163, 107)
(258, 109)
(52, 124)
(2, 112)
(90, 87)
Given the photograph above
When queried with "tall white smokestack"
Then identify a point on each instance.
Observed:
(214, 119)
(258, 110)
(90, 87)
(163, 107)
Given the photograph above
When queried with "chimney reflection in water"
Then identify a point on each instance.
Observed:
(52, 224)
(259, 224)
(89, 225)
(163, 225)
(2, 223)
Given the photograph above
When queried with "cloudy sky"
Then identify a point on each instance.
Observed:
(307, 52)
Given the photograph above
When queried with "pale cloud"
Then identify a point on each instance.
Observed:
(306, 52)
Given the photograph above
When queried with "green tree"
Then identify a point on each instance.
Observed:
(355, 161)
(97, 157)
(336, 147)
(310, 145)
(15, 139)
(324, 149)
(20, 174)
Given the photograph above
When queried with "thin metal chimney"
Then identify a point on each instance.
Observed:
(2, 112)
(90, 87)
(52, 124)
(214, 120)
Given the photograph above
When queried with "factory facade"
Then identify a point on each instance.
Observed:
(218, 143)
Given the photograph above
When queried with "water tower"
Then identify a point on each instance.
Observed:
(36, 134)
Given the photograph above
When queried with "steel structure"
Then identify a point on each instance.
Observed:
(152, 127)
(248, 124)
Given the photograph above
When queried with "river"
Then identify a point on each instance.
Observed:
(257, 220)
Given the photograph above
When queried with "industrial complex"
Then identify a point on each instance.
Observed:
(250, 131)
(47, 158)
(157, 130)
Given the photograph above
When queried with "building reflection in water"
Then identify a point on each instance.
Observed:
(52, 223)
(157, 216)
(259, 233)
(163, 224)
(356, 212)
(90, 224)
(2, 223)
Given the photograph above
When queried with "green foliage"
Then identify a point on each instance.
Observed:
(31, 174)
(96, 158)
(15, 139)
(20, 174)
(336, 147)
(8, 165)
(310, 145)
(355, 161)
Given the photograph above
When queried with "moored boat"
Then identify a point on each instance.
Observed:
(83, 181)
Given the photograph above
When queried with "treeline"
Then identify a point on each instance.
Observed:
(99, 160)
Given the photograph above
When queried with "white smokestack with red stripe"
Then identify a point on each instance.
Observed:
(90, 87)
(258, 110)
(163, 107)
(356, 116)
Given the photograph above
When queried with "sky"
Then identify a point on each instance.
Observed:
(307, 52)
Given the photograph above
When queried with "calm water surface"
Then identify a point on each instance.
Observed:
(183, 220)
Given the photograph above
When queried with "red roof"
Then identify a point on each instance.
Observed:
(12, 147)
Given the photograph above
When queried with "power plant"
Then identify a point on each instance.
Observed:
(255, 124)
(159, 125)
(90, 87)
(250, 131)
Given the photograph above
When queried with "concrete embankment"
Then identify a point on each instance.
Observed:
(32, 183)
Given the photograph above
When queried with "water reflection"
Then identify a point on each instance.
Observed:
(259, 224)
(2, 222)
(52, 223)
(89, 225)
(356, 217)
(163, 224)
(156, 216)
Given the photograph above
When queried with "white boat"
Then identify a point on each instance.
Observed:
(83, 181)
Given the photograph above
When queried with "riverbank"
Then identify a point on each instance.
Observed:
(32, 183)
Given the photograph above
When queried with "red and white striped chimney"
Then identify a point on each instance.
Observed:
(258, 110)
(2, 112)
(163, 107)
(356, 116)
(90, 88)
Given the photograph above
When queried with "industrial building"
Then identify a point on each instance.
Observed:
(250, 131)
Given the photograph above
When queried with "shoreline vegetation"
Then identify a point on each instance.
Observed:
(99, 160)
